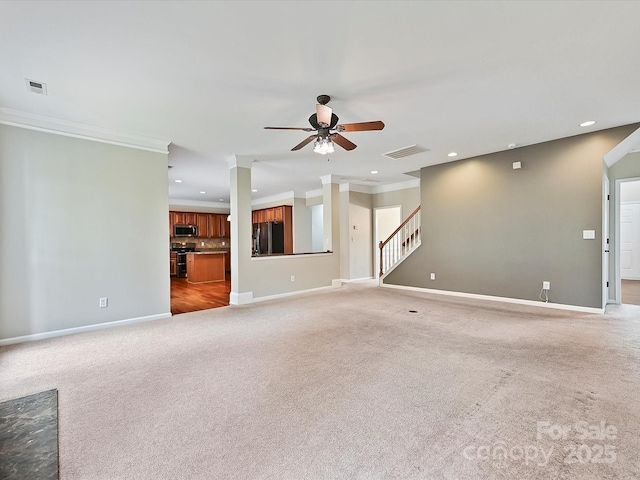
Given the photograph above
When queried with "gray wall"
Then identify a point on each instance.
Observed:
(626, 167)
(488, 229)
(79, 220)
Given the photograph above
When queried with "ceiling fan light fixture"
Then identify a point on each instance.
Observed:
(323, 146)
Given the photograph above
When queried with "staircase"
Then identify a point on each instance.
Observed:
(404, 240)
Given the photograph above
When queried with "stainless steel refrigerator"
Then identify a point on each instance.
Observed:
(268, 238)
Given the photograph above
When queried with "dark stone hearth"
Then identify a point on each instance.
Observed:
(29, 437)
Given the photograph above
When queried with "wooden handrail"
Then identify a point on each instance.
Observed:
(382, 244)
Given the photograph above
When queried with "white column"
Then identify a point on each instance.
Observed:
(331, 218)
(241, 243)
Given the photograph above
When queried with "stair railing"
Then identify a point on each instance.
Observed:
(400, 243)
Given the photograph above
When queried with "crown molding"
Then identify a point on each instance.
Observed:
(280, 197)
(392, 187)
(42, 123)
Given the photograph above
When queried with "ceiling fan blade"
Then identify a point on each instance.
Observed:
(304, 142)
(343, 142)
(313, 120)
(304, 129)
(361, 127)
(334, 121)
(323, 114)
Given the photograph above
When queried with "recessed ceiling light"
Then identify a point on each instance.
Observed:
(203, 192)
(452, 154)
(588, 123)
(178, 181)
(373, 172)
(254, 190)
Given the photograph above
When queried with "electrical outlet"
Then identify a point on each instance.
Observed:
(202, 244)
(293, 278)
(104, 302)
(546, 285)
(224, 243)
(433, 276)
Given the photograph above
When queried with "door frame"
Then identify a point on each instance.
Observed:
(617, 276)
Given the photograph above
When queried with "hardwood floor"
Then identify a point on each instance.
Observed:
(189, 297)
(631, 292)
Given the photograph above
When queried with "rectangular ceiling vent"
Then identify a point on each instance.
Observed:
(36, 87)
(405, 152)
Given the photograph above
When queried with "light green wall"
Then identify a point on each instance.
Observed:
(79, 220)
(489, 229)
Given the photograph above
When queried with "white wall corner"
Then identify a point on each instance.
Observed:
(243, 161)
(243, 298)
(623, 148)
(329, 179)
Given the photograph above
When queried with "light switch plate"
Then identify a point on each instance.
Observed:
(588, 234)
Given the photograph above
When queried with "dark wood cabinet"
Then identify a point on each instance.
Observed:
(282, 214)
(202, 221)
(210, 225)
(173, 264)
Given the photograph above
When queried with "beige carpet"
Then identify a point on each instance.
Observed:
(345, 384)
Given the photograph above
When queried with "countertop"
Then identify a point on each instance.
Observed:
(207, 252)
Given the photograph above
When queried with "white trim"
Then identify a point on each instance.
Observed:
(391, 187)
(531, 303)
(280, 197)
(242, 161)
(314, 193)
(329, 179)
(243, 298)
(87, 328)
(177, 202)
(336, 283)
(297, 292)
(42, 123)
(356, 280)
(623, 148)
(295, 255)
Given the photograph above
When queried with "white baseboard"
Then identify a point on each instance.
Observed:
(336, 282)
(290, 294)
(518, 301)
(244, 298)
(87, 328)
(356, 280)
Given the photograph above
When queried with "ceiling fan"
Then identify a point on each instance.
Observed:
(325, 123)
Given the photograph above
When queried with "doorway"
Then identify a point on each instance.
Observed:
(629, 240)
(387, 219)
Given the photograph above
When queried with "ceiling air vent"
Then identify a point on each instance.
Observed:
(406, 151)
(36, 87)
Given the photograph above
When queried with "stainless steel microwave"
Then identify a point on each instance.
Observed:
(185, 230)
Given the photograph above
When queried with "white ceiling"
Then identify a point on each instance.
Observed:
(469, 77)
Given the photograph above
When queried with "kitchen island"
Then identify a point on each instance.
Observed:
(207, 266)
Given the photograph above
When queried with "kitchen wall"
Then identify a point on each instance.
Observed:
(492, 230)
(79, 220)
(203, 242)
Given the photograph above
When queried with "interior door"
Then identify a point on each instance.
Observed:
(630, 241)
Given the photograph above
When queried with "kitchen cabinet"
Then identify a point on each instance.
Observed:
(210, 225)
(183, 218)
(281, 214)
(227, 261)
(173, 264)
(204, 267)
(202, 221)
